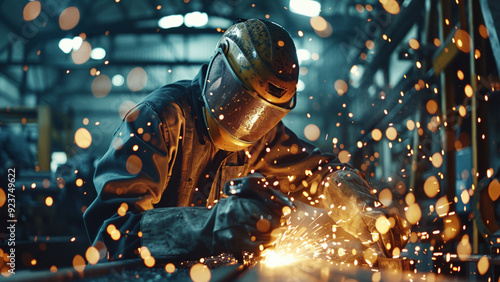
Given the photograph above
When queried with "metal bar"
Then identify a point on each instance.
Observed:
(44, 137)
(416, 142)
(397, 30)
(447, 103)
(473, 84)
(444, 55)
(66, 274)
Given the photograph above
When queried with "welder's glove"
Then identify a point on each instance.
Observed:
(244, 220)
(241, 222)
(350, 203)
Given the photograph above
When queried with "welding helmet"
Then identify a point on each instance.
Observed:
(250, 83)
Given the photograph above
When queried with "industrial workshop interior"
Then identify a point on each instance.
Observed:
(405, 93)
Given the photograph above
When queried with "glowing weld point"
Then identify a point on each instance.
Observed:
(275, 259)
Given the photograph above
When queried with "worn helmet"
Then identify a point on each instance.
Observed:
(250, 83)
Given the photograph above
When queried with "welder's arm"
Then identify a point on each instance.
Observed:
(241, 222)
(352, 206)
(130, 179)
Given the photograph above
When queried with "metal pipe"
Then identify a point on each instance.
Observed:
(473, 84)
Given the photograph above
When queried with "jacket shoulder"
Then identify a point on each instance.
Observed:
(162, 97)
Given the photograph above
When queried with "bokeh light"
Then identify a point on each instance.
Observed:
(385, 197)
(92, 255)
(483, 31)
(483, 265)
(451, 227)
(263, 225)
(32, 10)
(137, 79)
(341, 87)
(391, 133)
(78, 263)
(410, 198)
(464, 248)
(122, 210)
(312, 132)
(414, 44)
(462, 40)
(69, 18)
(464, 196)
(410, 124)
(322, 27)
(442, 206)
(344, 156)
(101, 85)
(82, 54)
(200, 273)
(413, 213)
(83, 138)
(437, 160)
(494, 189)
(431, 106)
(376, 134)
(49, 201)
(134, 164)
(382, 224)
(468, 90)
(431, 186)
(3, 197)
(391, 6)
(170, 268)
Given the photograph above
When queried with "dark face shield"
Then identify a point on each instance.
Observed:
(236, 109)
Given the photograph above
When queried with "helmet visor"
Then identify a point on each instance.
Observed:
(237, 109)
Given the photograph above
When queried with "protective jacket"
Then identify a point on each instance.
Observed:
(161, 177)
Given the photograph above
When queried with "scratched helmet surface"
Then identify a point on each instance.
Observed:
(250, 83)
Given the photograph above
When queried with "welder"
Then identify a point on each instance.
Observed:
(160, 184)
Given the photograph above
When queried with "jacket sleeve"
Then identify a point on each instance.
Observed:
(299, 166)
(129, 179)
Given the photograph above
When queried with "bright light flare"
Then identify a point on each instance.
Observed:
(305, 7)
(171, 21)
(67, 44)
(98, 53)
(274, 258)
(118, 80)
(196, 19)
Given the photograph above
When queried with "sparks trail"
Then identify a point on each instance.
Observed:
(304, 240)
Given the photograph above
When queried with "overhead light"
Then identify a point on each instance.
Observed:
(57, 159)
(77, 42)
(118, 80)
(98, 53)
(308, 8)
(66, 45)
(303, 55)
(195, 19)
(171, 21)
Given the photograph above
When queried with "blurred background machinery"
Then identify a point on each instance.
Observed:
(406, 91)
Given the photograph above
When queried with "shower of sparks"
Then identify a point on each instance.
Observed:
(304, 240)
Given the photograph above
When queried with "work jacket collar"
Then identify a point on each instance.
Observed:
(197, 100)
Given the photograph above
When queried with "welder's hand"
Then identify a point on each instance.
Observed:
(351, 205)
(244, 220)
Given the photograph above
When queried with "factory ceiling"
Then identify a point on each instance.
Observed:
(96, 59)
